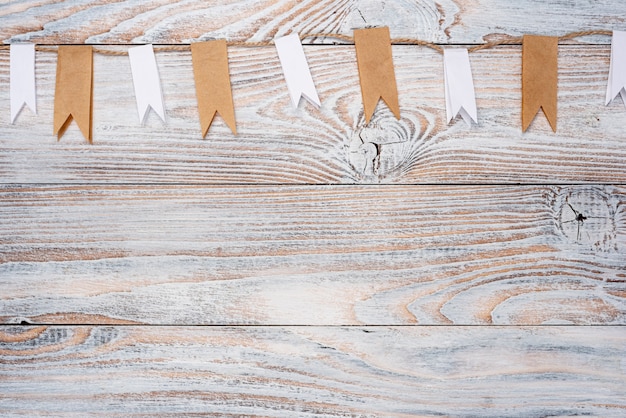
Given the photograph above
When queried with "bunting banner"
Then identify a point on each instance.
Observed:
(617, 69)
(73, 91)
(296, 70)
(539, 78)
(73, 98)
(376, 72)
(212, 78)
(459, 85)
(146, 82)
(22, 76)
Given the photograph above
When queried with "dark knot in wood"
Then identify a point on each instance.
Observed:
(587, 218)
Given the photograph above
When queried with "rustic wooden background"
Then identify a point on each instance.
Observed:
(312, 265)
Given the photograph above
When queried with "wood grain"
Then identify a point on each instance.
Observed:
(313, 265)
(327, 255)
(312, 371)
(166, 21)
(277, 144)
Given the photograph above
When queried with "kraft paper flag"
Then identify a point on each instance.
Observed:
(459, 86)
(539, 78)
(73, 92)
(146, 81)
(378, 79)
(617, 70)
(210, 70)
(22, 74)
(296, 70)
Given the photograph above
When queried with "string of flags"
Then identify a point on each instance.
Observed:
(74, 79)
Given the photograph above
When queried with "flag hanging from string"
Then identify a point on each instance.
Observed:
(296, 70)
(73, 91)
(210, 69)
(376, 72)
(146, 81)
(539, 78)
(459, 85)
(617, 70)
(22, 79)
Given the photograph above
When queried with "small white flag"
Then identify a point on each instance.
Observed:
(146, 80)
(22, 74)
(617, 70)
(459, 86)
(296, 70)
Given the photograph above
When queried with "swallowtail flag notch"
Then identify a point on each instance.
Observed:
(376, 72)
(73, 91)
(539, 78)
(22, 74)
(296, 70)
(212, 78)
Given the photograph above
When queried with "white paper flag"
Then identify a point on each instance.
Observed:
(459, 86)
(617, 70)
(22, 73)
(296, 70)
(146, 80)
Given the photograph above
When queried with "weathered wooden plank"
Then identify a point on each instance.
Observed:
(277, 144)
(100, 252)
(326, 255)
(307, 371)
(167, 21)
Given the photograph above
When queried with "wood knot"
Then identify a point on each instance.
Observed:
(384, 147)
(586, 217)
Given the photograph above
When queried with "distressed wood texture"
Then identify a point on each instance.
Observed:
(314, 265)
(277, 144)
(312, 371)
(166, 21)
(326, 255)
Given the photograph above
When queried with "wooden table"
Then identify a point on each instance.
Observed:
(313, 264)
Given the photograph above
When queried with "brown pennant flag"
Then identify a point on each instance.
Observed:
(539, 78)
(210, 70)
(73, 91)
(378, 80)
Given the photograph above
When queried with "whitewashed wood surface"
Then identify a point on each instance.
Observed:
(313, 371)
(168, 21)
(312, 265)
(324, 255)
